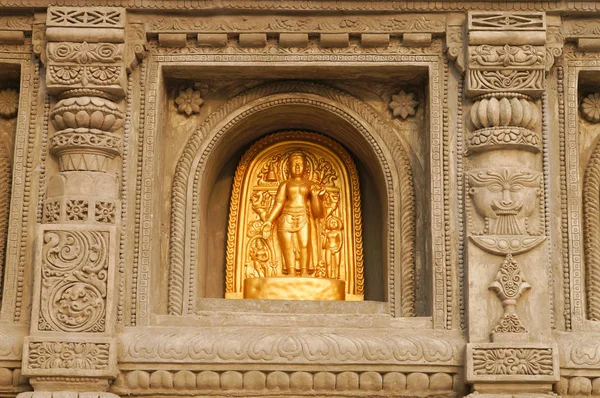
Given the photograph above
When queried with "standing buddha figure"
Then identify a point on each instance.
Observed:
(298, 205)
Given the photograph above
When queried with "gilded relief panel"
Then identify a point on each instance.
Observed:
(295, 211)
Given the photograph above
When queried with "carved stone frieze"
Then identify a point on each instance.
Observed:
(283, 345)
(322, 382)
(525, 362)
(512, 361)
(390, 24)
(522, 81)
(16, 22)
(72, 355)
(47, 356)
(479, 181)
(85, 53)
(507, 57)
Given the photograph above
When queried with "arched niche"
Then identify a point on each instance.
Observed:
(591, 219)
(281, 106)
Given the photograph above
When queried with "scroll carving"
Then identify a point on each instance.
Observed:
(74, 281)
(85, 53)
(507, 56)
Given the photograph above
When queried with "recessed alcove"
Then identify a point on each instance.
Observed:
(9, 101)
(345, 110)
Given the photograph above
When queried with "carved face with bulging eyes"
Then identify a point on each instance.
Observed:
(504, 192)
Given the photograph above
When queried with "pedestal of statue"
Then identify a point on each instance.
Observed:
(294, 288)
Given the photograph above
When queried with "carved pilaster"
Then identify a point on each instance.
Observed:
(507, 57)
(72, 344)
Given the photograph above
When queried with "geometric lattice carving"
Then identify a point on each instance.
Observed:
(507, 21)
(97, 17)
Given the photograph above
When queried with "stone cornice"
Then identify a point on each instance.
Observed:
(317, 5)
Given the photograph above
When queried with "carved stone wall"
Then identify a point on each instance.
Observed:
(475, 130)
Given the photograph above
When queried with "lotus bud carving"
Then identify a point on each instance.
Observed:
(505, 111)
(92, 113)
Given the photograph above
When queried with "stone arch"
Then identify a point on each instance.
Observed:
(370, 132)
(591, 218)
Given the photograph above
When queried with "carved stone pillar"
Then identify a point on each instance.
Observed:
(72, 342)
(508, 269)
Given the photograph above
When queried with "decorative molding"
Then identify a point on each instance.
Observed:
(140, 269)
(506, 57)
(455, 45)
(582, 28)
(591, 220)
(16, 22)
(529, 7)
(578, 350)
(522, 81)
(313, 46)
(322, 382)
(85, 53)
(251, 345)
(398, 23)
(572, 185)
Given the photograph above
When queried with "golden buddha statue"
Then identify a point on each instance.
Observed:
(294, 225)
(297, 208)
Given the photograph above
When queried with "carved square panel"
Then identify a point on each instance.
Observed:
(511, 362)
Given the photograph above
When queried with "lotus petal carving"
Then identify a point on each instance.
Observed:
(505, 111)
(87, 112)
